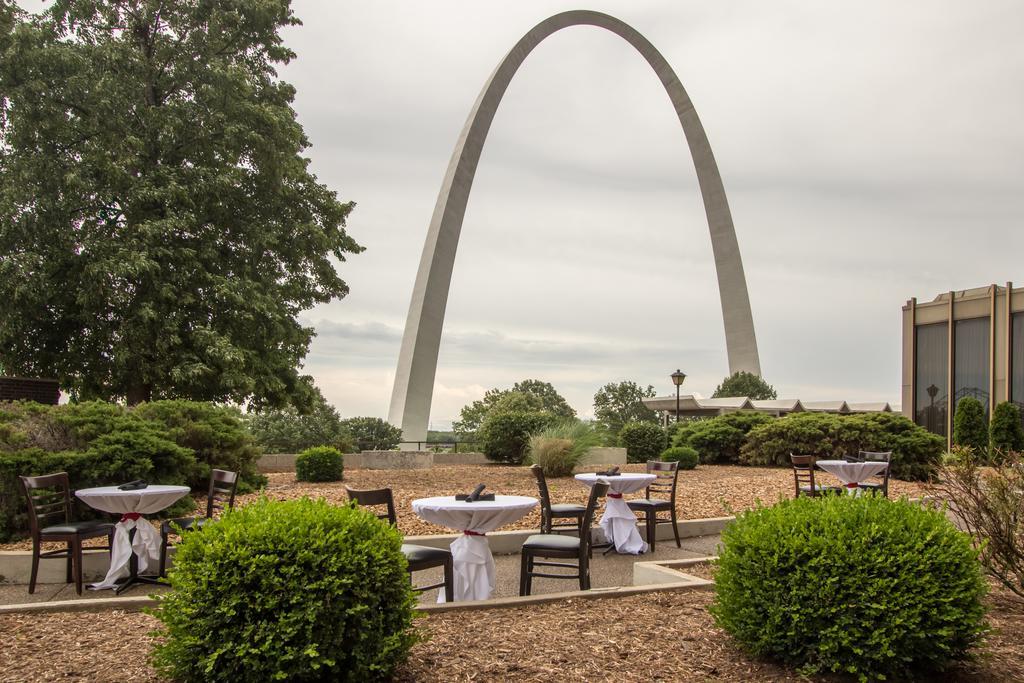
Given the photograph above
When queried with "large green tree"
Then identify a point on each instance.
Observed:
(618, 403)
(542, 396)
(745, 384)
(160, 227)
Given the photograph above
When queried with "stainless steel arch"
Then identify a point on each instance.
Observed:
(417, 361)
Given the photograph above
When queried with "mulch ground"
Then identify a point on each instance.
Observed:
(707, 491)
(654, 637)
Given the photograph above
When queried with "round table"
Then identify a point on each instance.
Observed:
(471, 554)
(136, 546)
(852, 473)
(618, 522)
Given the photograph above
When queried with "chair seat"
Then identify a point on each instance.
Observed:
(568, 509)
(94, 527)
(552, 542)
(870, 485)
(416, 554)
(819, 487)
(185, 523)
(649, 504)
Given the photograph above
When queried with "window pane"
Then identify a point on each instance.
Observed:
(1017, 362)
(930, 377)
(971, 360)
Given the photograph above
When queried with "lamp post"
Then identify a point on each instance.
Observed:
(677, 378)
(932, 391)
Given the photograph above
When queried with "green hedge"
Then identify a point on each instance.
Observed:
(719, 439)
(916, 452)
(1005, 431)
(970, 426)
(97, 443)
(298, 590)
(862, 586)
(684, 455)
(643, 441)
(321, 463)
(505, 435)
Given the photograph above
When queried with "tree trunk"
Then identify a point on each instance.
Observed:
(138, 393)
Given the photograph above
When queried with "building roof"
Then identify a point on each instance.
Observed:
(869, 407)
(827, 406)
(782, 405)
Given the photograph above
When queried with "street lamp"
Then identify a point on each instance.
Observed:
(677, 378)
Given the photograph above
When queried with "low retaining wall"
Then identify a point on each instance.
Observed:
(379, 460)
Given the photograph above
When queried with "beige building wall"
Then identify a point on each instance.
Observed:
(996, 302)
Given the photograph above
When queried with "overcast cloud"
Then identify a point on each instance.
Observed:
(871, 152)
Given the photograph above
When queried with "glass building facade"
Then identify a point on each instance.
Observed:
(972, 347)
(931, 377)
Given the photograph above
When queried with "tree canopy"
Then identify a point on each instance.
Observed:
(618, 403)
(160, 226)
(540, 396)
(286, 430)
(745, 384)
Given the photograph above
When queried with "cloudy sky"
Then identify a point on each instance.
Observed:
(871, 152)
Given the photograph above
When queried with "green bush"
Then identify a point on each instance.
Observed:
(854, 585)
(916, 451)
(216, 435)
(372, 433)
(298, 590)
(320, 463)
(286, 430)
(504, 435)
(560, 448)
(643, 441)
(719, 439)
(969, 426)
(1006, 434)
(686, 456)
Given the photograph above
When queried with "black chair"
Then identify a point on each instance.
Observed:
(219, 496)
(877, 456)
(49, 517)
(652, 506)
(561, 547)
(419, 557)
(803, 477)
(549, 512)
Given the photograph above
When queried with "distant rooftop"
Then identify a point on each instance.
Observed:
(696, 405)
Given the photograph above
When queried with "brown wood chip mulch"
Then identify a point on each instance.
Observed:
(652, 637)
(707, 491)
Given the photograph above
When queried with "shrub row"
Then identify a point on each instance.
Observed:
(97, 443)
(746, 438)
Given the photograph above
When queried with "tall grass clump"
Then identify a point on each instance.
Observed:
(559, 449)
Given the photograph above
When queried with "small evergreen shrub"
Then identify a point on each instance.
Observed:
(969, 427)
(854, 585)
(320, 463)
(505, 434)
(1006, 434)
(297, 590)
(643, 441)
(684, 455)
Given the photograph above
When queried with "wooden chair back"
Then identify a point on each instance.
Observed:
(597, 492)
(221, 494)
(879, 456)
(667, 474)
(375, 497)
(542, 485)
(803, 471)
(49, 500)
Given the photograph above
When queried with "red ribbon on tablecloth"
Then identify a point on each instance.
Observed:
(130, 516)
(467, 532)
(615, 495)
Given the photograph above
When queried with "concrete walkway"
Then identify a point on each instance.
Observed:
(606, 571)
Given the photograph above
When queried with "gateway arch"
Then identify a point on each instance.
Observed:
(417, 361)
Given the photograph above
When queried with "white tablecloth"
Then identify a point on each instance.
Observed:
(852, 473)
(131, 505)
(618, 522)
(471, 554)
